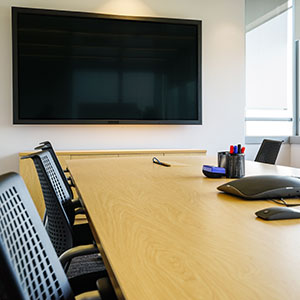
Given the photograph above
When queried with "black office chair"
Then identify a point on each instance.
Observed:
(268, 151)
(59, 224)
(75, 203)
(30, 269)
(60, 211)
(68, 183)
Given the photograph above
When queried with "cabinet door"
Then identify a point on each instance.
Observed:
(90, 156)
(186, 153)
(30, 177)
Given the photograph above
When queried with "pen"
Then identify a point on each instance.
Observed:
(239, 148)
(157, 161)
(243, 149)
(235, 149)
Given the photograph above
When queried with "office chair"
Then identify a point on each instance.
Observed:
(67, 181)
(47, 146)
(59, 224)
(268, 151)
(60, 211)
(30, 269)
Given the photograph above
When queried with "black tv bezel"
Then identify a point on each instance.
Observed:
(17, 120)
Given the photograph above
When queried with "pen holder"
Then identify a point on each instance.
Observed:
(235, 165)
(222, 159)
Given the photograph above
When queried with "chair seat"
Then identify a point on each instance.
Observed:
(84, 271)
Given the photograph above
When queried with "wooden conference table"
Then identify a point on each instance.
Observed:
(167, 233)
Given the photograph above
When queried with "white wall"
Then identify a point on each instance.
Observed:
(295, 157)
(297, 19)
(223, 83)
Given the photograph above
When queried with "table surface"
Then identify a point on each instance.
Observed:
(167, 233)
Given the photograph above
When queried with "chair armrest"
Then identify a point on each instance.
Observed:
(93, 297)
(71, 183)
(79, 211)
(76, 203)
(27, 156)
(42, 145)
(106, 289)
(77, 251)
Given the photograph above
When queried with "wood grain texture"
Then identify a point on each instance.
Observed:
(30, 177)
(75, 156)
(28, 172)
(169, 234)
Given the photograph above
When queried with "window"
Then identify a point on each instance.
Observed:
(269, 75)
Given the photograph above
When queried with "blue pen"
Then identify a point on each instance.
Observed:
(235, 149)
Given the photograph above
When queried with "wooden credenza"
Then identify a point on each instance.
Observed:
(28, 172)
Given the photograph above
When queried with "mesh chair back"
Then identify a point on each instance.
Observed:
(29, 267)
(60, 214)
(47, 146)
(268, 151)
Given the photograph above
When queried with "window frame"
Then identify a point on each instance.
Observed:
(295, 119)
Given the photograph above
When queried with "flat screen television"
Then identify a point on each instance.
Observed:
(87, 68)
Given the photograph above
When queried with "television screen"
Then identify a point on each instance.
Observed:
(76, 68)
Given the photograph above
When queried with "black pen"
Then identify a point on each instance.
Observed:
(239, 149)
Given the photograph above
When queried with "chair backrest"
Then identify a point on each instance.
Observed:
(47, 146)
(60, 213)
(29, 266)
(268, 151)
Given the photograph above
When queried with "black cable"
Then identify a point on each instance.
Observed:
(281, 201)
